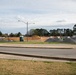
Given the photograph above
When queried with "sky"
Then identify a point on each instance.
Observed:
(44, 13)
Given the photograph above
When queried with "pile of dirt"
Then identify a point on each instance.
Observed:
(35, 37)
(54, 40)
(63, 40)
(69, 40)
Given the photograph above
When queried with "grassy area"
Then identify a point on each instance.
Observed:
(20, 67)
(33, 42)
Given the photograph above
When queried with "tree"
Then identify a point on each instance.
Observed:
(41, 32)
(53, 32)
(60, 32)
(31, 32)
(45, 32)
(1, 33)
(11, 35)
(68, 32)
(18, 34)
(74, 30)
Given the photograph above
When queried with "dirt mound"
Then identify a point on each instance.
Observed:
(64, 40)
(69, 40)
(54, 40)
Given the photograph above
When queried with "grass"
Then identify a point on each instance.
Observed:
(32, 42)
(20, 67)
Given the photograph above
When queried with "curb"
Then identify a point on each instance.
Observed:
(38, 47)
(36, 56)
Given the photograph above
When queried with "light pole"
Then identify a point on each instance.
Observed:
(27, 31)
(26, 27)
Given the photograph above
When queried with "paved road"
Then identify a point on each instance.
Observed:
(64, 53)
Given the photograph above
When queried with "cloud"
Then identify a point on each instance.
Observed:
(37, 6)
(61, 21)
(40, 12)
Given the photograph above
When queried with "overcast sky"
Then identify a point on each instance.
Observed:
(45, 13)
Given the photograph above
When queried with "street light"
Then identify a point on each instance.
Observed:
(27, 26)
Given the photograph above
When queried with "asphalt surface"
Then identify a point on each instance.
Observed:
(64, 54)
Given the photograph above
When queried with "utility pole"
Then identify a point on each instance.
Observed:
(27, 31)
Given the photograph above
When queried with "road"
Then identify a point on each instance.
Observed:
(62, 53)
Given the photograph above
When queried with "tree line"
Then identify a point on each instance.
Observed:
(53, 32)
(44, 32)
(10, 35)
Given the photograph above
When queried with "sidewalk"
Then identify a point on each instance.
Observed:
(7, 56)
(47, 46)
